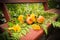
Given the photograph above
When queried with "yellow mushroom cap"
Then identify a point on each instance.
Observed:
(20, 18)
(33, 17)
(36, 27)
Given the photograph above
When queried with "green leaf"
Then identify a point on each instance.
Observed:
(10, 24)
(56, 24)
(27, 29)
(45, 28)
(24, 32)
(29, 26)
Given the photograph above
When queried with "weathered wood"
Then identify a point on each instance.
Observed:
(5, 11)
(5, 25)
(45, 4)
(54, 11)
(20, 1)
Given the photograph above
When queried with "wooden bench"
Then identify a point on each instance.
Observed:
(32, 35)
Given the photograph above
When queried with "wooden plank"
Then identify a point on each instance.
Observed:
(45, 4)
(20, 1)
(54, 11)
(5, 12)
(5, 25)
(33, 34)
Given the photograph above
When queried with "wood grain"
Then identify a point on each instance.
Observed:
(21, 1)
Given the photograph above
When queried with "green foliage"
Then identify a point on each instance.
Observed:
(44, 26)
(5, 36)
(48, 19)
(17, 9)
(56, 23)
(24, 9)
(25, 27)
(53, 4)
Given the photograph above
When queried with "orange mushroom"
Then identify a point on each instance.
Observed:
(29, 20)
(40, 19)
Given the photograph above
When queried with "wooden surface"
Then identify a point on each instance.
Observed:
(5, 11)
(45, 5)
(33, 34)
(21, 1)
(5, 25)
(54, 11)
